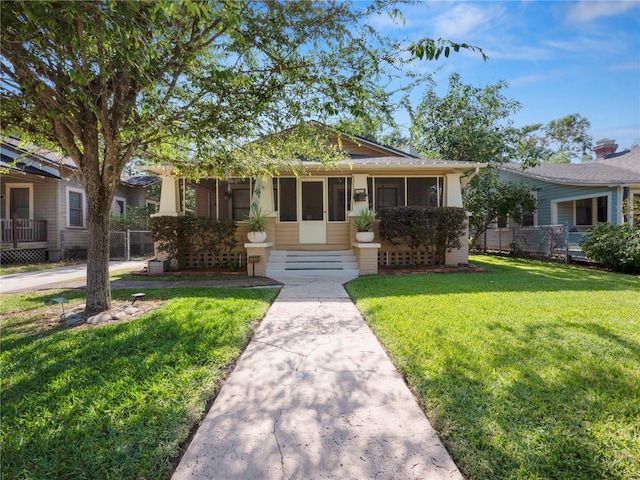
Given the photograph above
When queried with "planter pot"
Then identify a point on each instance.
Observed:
(364, 237)
(257, 237)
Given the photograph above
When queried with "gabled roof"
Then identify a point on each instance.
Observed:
(615, 170)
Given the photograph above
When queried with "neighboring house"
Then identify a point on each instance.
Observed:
(314, 212)
(43, 205)
(581, 195)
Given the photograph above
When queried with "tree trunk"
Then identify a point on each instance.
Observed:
(98, 287)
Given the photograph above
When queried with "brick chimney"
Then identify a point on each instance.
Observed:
(605, 147)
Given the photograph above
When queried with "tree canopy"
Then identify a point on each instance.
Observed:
(203, 85)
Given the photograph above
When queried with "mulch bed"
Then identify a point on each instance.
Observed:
(384, 270)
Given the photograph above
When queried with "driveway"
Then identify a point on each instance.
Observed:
(24, 282)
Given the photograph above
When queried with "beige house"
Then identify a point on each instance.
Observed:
(311, 217)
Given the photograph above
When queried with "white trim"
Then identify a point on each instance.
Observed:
(594, 209)
(84, 207)
(8, 187)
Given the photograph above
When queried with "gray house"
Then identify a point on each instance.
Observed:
(43, 204)
(583, 194)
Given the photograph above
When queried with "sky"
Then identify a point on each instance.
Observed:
(558, 57)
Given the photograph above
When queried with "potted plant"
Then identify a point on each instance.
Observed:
(257, 225)
(360, 195)
(364, 223)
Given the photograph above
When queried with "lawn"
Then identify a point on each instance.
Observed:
(116, 401)
(528, 371)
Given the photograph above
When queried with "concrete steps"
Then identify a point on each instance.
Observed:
(312, 263)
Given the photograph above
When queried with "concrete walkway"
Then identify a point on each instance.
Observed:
(24, 282)
(314, 396)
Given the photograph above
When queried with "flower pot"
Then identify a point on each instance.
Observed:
(257, 237)
(364, 237)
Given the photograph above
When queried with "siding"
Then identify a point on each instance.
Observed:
(549, 192)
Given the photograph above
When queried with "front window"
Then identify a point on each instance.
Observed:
(287, 201)
(405, 191)
(339, 198)
(602, 209)
(241, 203)
(389, 192)
(75, 208)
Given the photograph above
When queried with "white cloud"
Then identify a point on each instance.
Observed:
(465, 19)
(632, 66)
(585, 11)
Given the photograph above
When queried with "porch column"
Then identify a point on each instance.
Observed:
(169, 190)
(454, 199)
(263, 194)
(258, 258)
(454, 190)
(359, 183)
(169, 197)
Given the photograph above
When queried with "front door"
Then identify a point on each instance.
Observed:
(313, 213)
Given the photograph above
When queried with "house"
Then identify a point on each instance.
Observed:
(311, 216)
(43, 204)
(580, 195)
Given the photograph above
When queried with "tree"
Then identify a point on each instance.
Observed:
(568, 138)
(559, 141)
(488, 199)
(467, 124)
(193, 83)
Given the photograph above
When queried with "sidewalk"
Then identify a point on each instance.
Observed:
(24, 282)
(314, 396)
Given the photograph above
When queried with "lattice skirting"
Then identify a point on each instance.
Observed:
(236, 259)
(75, 254)
(34, 255)
(403, 258)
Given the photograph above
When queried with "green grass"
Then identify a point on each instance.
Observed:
(528, 371)
(116, 401)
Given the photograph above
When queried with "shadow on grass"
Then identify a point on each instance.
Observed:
(537, 408)
(116, 401)
(501, 275)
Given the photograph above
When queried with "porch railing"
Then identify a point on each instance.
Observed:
(18, 230)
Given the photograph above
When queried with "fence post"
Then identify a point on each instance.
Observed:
(127, 245)
(566, 242)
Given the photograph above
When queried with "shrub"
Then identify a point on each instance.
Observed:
(613, 246)
(180, 237)
(423, 228)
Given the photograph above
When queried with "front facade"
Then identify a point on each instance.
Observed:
(315, 212)
(43, 205)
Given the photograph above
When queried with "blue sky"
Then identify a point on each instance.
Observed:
(558, 57)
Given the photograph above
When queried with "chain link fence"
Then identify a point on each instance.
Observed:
(123, 245)
(549, 241)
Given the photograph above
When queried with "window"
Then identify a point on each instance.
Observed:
(288, 200)
(602, 209)
(423, 192)
(339, 198)
(153, 206)
(241, 202)
(389, 192)
(584, 211)
(75, 207)
(401, 191)
(119, 206)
